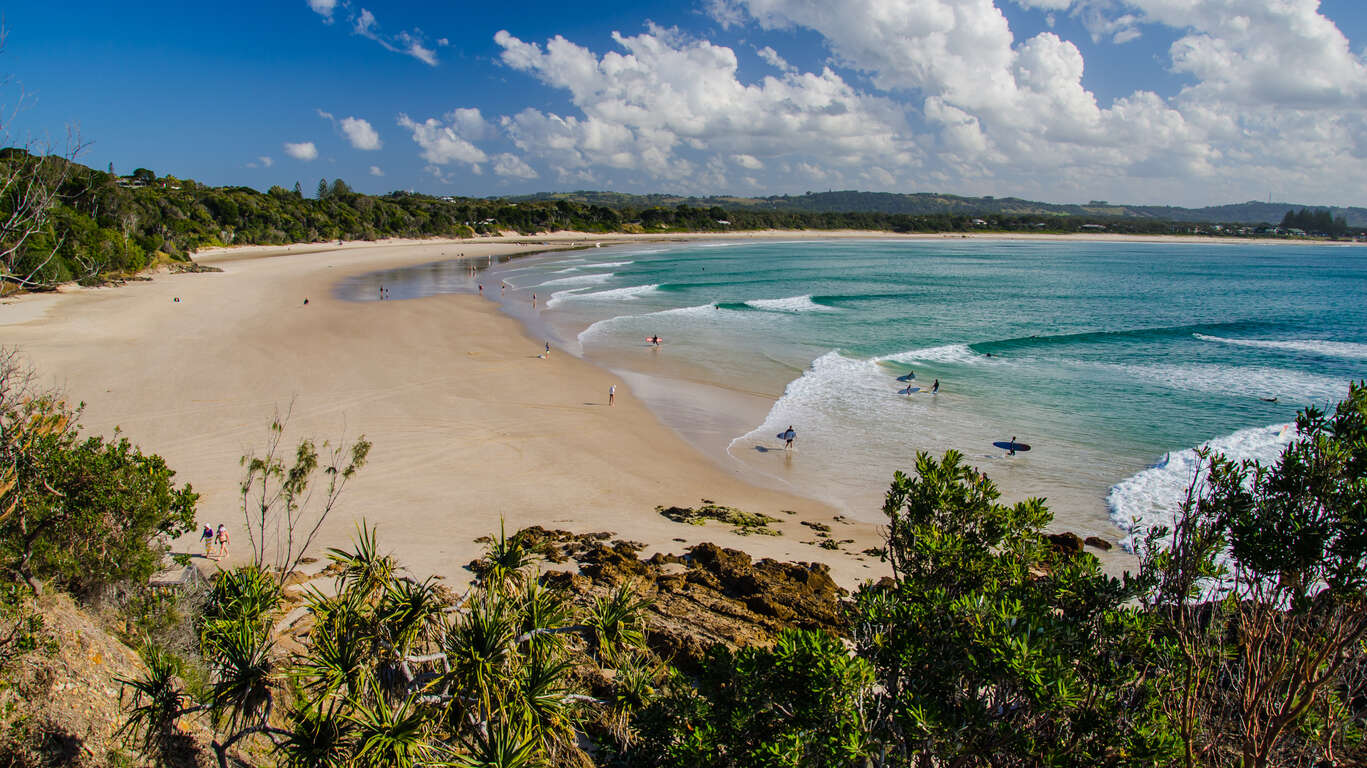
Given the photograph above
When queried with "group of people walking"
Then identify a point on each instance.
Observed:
(209, 537)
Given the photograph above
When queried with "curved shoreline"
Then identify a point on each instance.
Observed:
(470, 427)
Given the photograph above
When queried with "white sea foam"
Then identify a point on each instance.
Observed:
(789, 304)
(598, 264)
(1346, 349)
(959, 354)
(615, 294)
(604, 327)
(593, 279)
(1248, 381)
(1152, 497)
(559, 296)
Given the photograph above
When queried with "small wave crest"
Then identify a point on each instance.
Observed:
(789, 304)
(1152, 497)
(1236, 380)
(961, 354)
(616, 294)
(1346, 349)
(560, 296)
(603, 327)
(593, 279)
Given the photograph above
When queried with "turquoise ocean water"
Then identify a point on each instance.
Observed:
(1112, 360)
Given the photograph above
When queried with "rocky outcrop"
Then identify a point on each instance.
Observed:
(708, 595)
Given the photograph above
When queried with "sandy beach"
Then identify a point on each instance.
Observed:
(470, 426)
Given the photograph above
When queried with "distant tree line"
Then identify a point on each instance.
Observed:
(94, 224)
(1320, 222)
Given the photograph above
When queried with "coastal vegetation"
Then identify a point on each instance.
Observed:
(1240, 641)
(68, 222)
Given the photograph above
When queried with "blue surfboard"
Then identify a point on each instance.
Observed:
(907, 377)
(1007, 445)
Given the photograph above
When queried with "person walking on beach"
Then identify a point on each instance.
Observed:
(481, 289)
(788, 435)
(612, 393)
(533, 299)
(206, 537)
(222, 538)
(548, 349)
(935, 387)
(1012, 450)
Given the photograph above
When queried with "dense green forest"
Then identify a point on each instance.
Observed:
(94, 224)
(1252, 213)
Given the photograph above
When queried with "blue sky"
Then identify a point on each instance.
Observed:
(1185, 101)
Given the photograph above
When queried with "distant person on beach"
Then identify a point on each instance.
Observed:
(788, 435)
(935, 387)
(206, 537)
(481, 289)
(222, 538)
(1012, 451)
(612, 393)
(533, 299)
(548, 349)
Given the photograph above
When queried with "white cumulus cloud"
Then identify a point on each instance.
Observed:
(512, 166)
(360, 133)
(1276, 95)
(323, 8)
(304, 150)
(667, 106)
(442, 143)
(375, 170)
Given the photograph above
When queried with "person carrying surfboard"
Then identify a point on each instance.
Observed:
(788, 435)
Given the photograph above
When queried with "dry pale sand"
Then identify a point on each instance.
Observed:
(469, 426)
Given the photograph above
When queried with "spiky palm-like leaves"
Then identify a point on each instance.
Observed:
(616, 621)
(507, 742)
(155, 704)
(480, 645)
(505, 557)
(246, 674)
(340, 654)
(246, 593)
(319, 738)
(364, 570)
(388, 736)
(410, 613)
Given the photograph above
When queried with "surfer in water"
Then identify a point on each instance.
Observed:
(934, 388)
(1012, 450)
(788, 435)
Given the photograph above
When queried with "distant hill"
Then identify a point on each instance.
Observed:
(928, 204)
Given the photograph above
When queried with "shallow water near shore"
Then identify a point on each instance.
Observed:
(1111, 360)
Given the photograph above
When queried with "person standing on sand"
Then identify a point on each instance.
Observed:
(481, 289)
(788, 435)
(222, 538)
(612, 393)
(548, 349)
